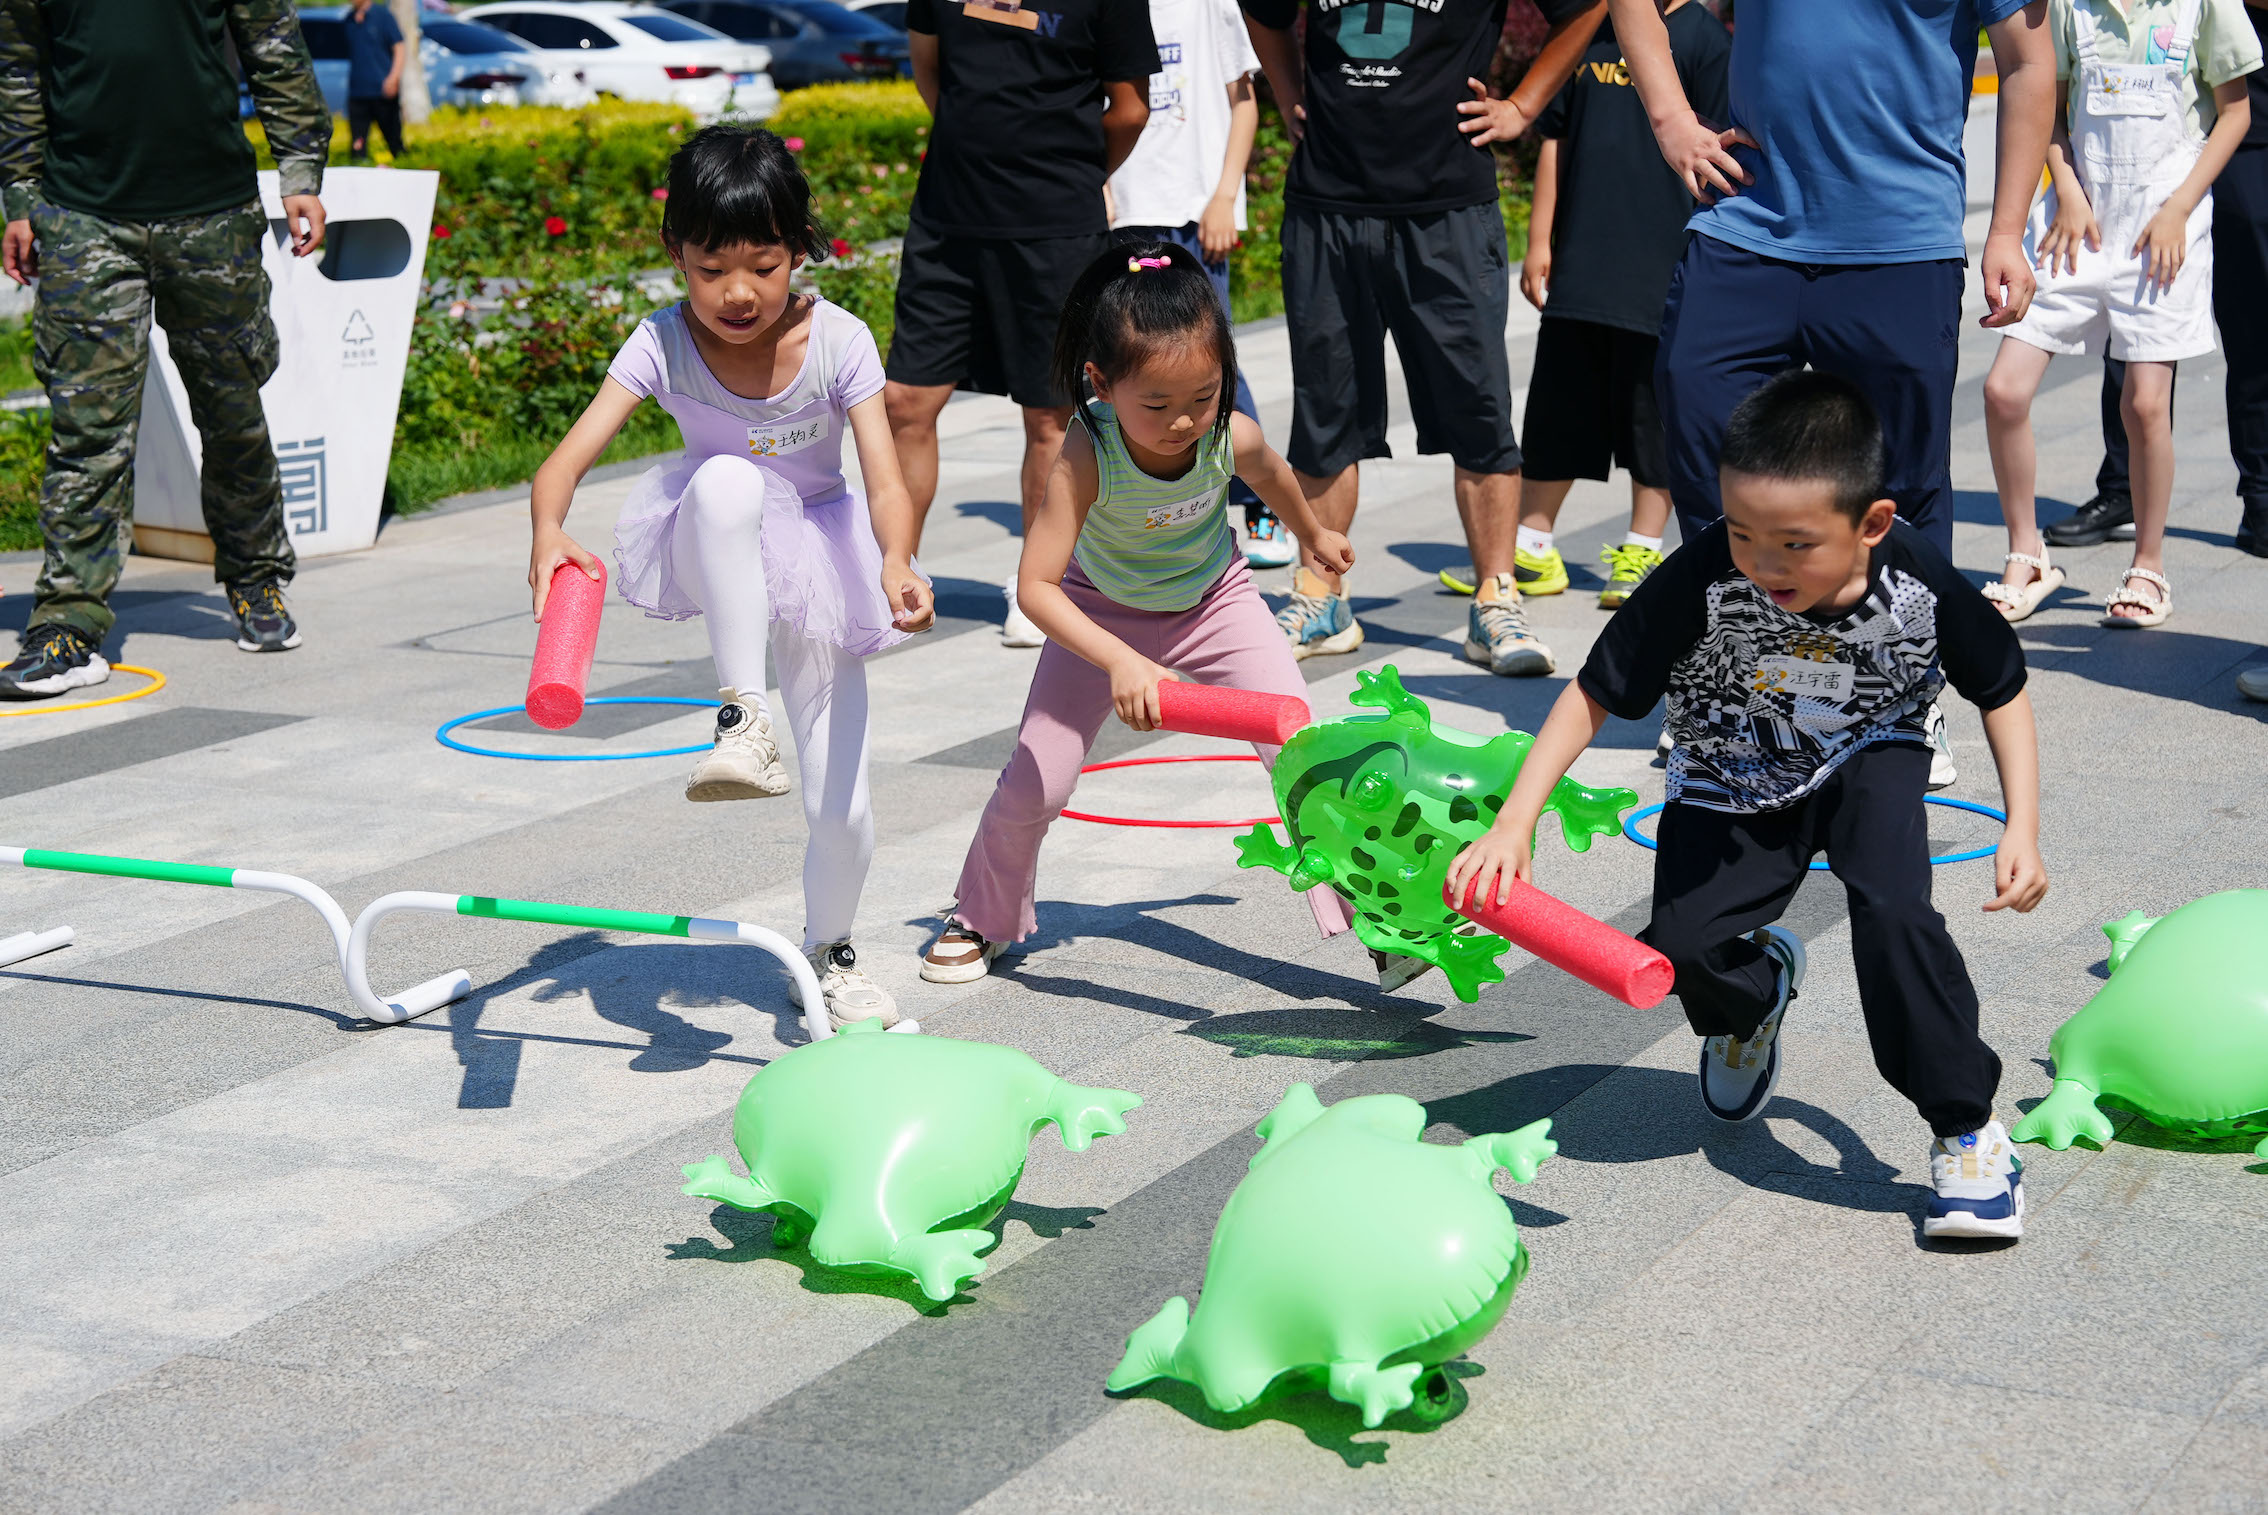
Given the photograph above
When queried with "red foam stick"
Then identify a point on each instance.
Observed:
(1235, 715)
(564, 646)
(1566, 938)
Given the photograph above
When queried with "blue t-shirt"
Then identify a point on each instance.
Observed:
(1859, 105)
(370, 52)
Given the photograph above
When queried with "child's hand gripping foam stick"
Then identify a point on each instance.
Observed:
(1566, 938)
(564, 646)
(1235, 715)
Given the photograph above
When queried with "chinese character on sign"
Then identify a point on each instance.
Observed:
(306, 486)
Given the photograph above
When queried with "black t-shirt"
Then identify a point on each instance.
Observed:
(1620, 220)
(1763, 703)
(1017, 150)
(1383, 81)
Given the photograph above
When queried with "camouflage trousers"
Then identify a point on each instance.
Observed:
(100, 282)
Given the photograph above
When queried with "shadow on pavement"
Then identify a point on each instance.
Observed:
(1322, 1420)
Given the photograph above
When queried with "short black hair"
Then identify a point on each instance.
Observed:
(1805, 425)
(739, 186)
(1134, 300)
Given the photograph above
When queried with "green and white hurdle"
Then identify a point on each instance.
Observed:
(352, 941)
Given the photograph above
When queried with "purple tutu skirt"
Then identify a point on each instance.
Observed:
(822, 568)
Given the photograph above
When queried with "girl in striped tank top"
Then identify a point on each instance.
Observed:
(1131, 568)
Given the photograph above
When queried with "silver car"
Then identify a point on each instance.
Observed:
(465, 64)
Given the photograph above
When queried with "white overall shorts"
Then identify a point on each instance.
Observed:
(2130, 139)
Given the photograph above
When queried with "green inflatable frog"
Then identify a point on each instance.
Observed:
(1379, 805)
(2179, 1034)
(891, 1154)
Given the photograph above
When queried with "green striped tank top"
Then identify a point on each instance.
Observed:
(1156, 544)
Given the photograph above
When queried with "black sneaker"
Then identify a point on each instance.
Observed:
(263, 623)
(2101, 519)
(53, 658)
(2252, 531)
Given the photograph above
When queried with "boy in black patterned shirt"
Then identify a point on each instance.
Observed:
(1800, 642)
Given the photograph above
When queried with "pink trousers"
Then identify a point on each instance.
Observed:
(1228, 637)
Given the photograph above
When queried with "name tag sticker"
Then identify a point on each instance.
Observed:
(1005, 12)
(793, 436)
(2131, 89)
(1805, 678)
(1158, 517)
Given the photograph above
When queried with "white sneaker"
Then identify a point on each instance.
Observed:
(1942, 773)
(1738, 1077)
(1269, 545)
(848, 994)
(1980, 1186)
(1016, 628)
(745, 762)
(960, 955)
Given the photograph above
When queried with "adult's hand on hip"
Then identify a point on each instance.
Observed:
(1489, 120)
(19, 252)
(304, 215)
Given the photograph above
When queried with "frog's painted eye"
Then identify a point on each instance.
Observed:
(1373, 791)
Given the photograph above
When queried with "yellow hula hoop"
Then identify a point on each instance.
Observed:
(157, 682)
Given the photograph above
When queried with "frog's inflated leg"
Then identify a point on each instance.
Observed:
(1585, 813)
(2125, 932)
(712, 1178)
(941, 1261)
(1469, 962)
(1081, 1115)
(1151, 1348)
(2067, 1114)
(1294, 1113)
(1258, 848)
(1519, 1152)
(2262, 1149)
(1377, 1392)
(1383, 691)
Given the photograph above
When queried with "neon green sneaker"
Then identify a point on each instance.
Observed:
(1539, 573)
(1627, 566)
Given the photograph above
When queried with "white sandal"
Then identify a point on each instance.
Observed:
(2018, 601)
(2154, 612)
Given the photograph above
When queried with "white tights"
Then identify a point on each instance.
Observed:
(716, 554)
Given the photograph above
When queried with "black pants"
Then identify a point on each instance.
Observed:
(1735, 318)
(361, 115)
(1719, 876)
(2240, 304)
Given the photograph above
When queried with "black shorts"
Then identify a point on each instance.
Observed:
(1591, 405)
(979, 312)
(1441, 284)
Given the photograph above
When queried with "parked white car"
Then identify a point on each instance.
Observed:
(640, 52)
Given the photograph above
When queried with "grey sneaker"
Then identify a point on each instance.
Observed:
(1942, 773)
(53, 658)
(1737, 1076)
(848, 993)
(745, 762)
(1319, 625)
(263, 621)
(1497, 635)
(2253, 683)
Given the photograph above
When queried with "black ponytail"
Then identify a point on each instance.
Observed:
(1133, 300)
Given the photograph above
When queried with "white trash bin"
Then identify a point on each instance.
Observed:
(343, 324)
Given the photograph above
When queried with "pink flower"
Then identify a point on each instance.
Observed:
(841, 248)
(555, 226)
(440, 231)
(880, 172)
(795, 144)
(661, 194)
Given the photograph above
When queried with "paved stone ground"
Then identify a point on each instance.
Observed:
(263, 1256)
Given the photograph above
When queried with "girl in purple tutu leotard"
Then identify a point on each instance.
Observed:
(753, 526)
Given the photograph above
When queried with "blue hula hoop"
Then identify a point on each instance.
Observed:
(441, 733)
(1630, 830)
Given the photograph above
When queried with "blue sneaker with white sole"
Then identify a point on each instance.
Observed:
(1738, 1075)
(1980, 1186)
(1319, 624)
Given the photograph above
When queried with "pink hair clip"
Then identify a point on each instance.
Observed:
(1136, 265)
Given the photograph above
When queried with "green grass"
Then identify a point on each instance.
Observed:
(418, 480)
(15, 357)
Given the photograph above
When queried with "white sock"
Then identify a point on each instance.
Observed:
(1632, 539)
(1533, 542)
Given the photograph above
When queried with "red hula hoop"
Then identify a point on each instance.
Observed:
(1144, 762)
